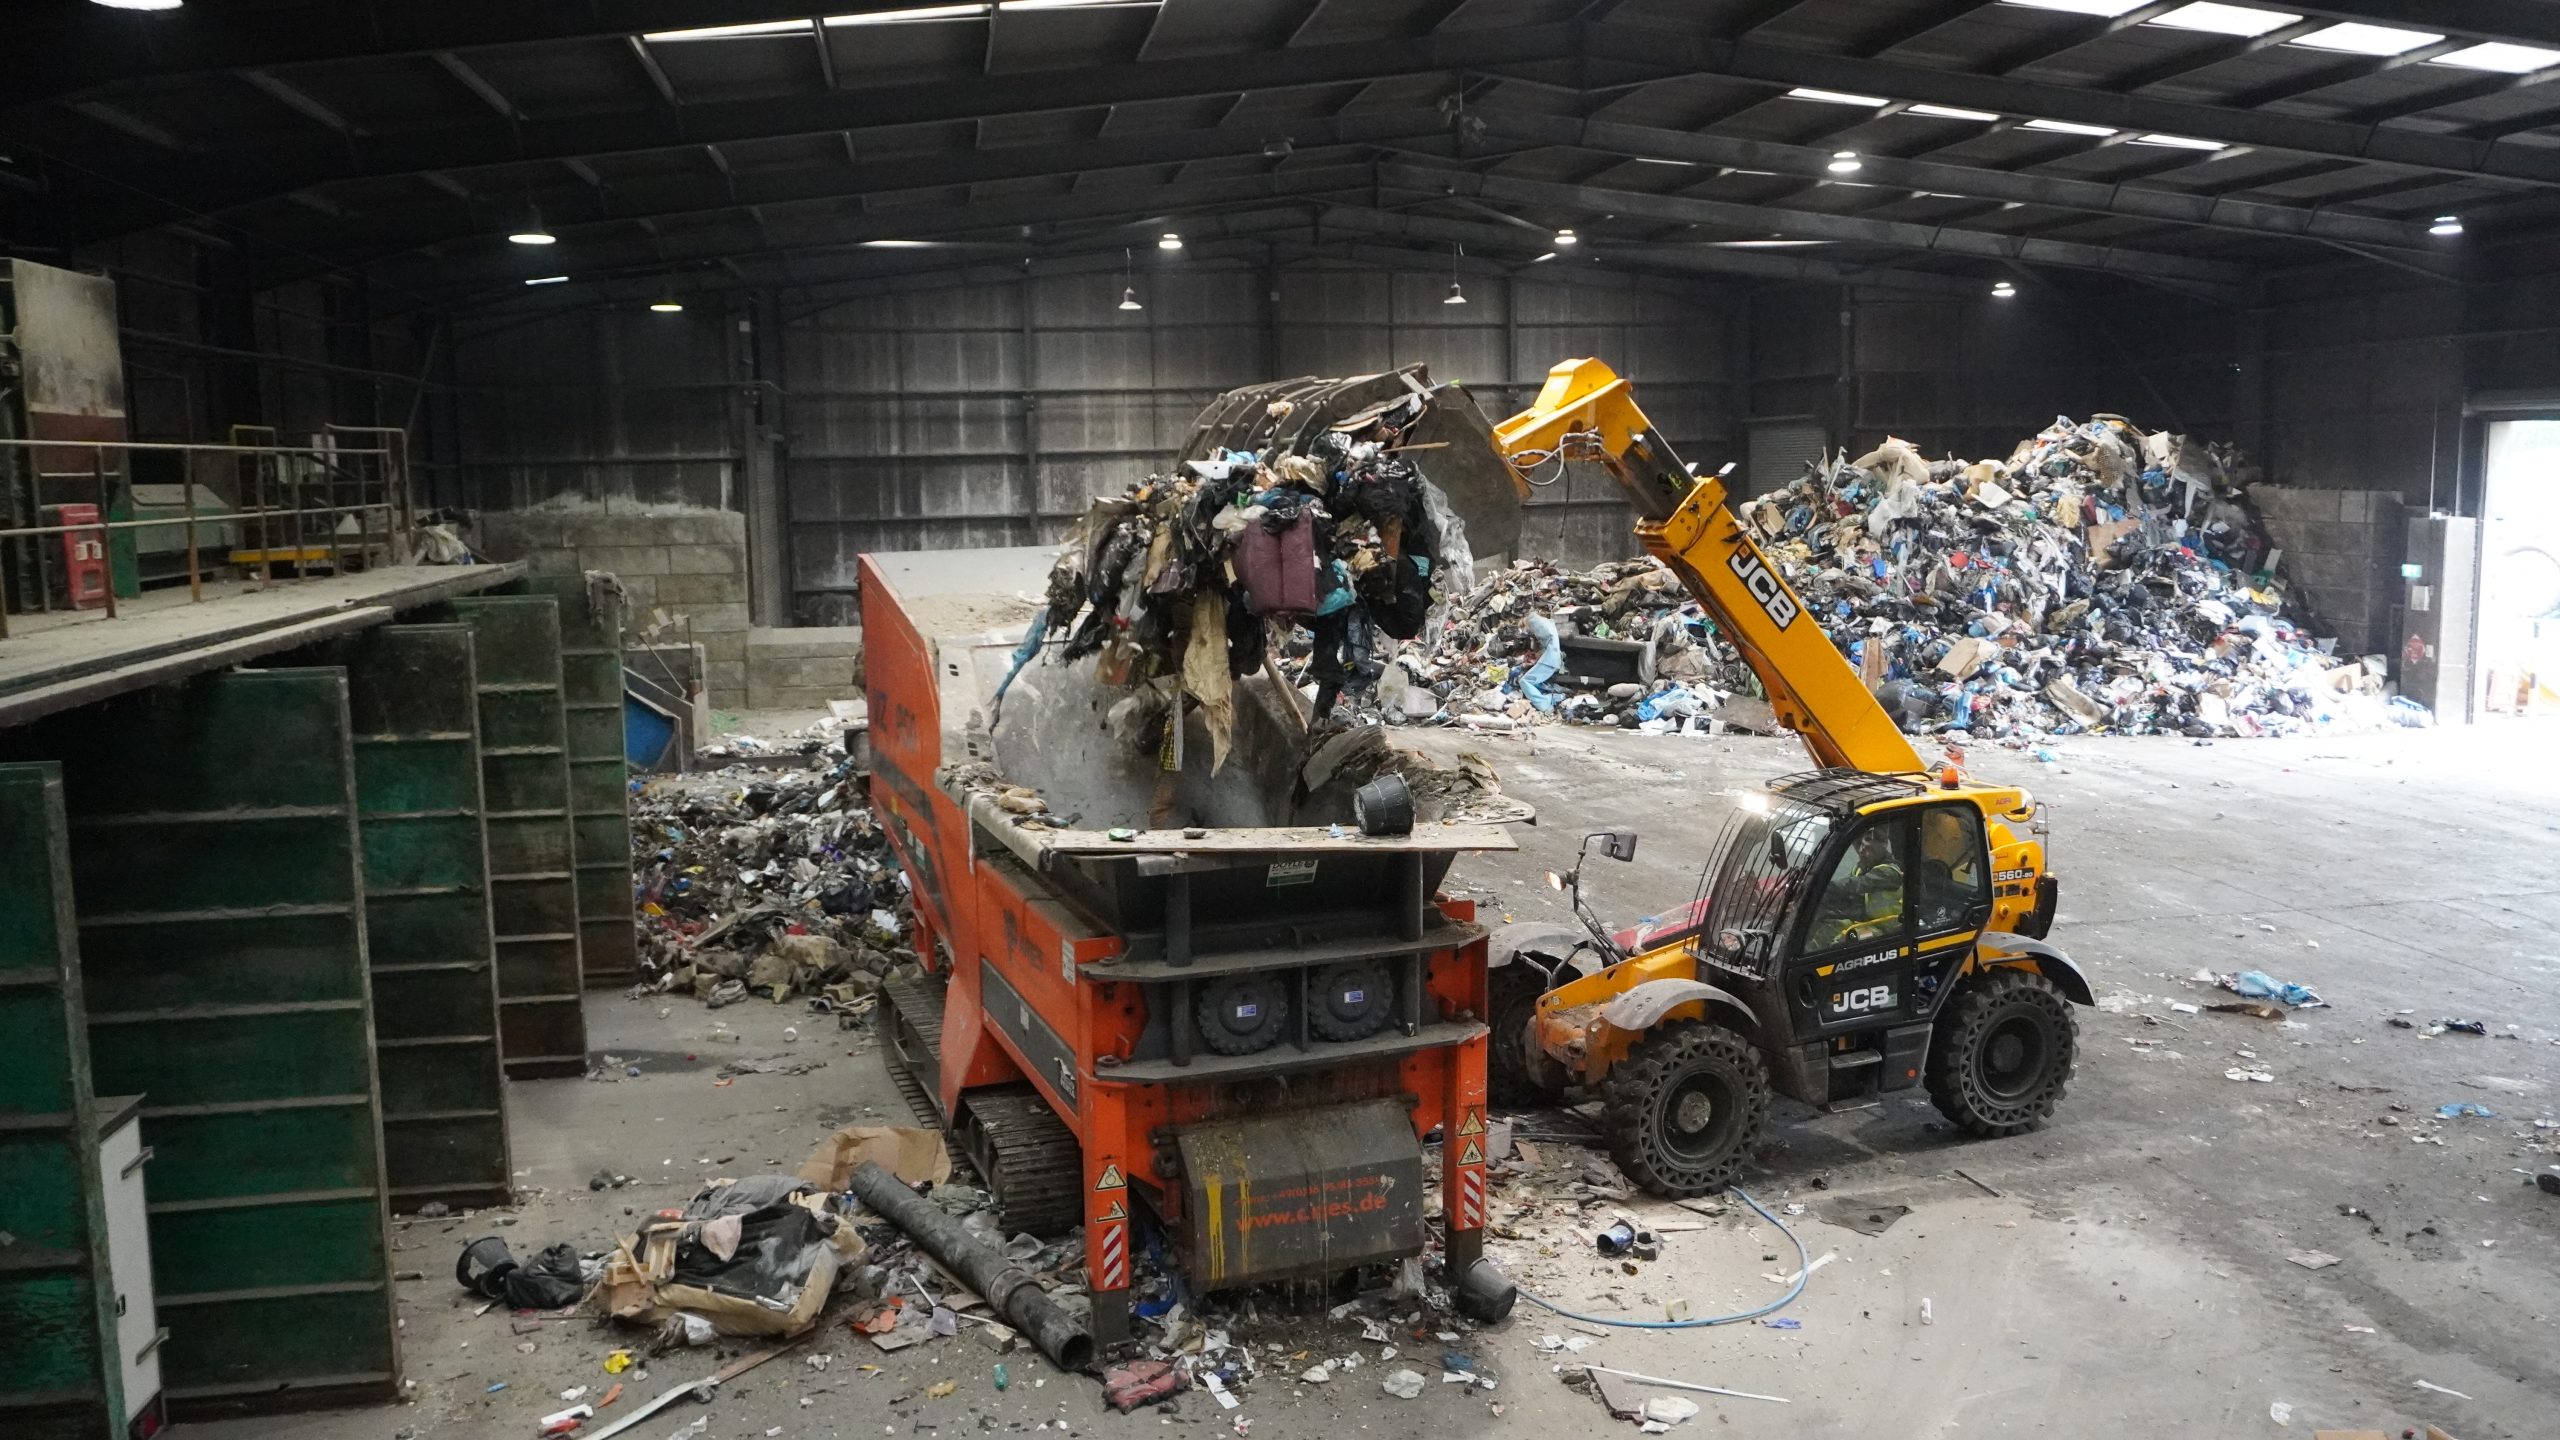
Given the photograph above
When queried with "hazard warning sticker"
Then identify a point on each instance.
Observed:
(1117, 1211)
(1111, 1179)
(1473, 1154)
(1473, 1124)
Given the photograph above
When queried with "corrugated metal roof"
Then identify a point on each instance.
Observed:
(1202, 106)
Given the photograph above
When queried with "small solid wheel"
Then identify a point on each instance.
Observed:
(1350, 1001)
(1682, 1111)
(1511, 1076)
(2002, 1053)
(1242, 1014)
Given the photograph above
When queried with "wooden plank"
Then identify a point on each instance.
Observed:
(530, 831)
(249, 1035)
(57, 1309)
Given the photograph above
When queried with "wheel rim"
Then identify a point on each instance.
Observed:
(1697, 1118)
(2013, 1057)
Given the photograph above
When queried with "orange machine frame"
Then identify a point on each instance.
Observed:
(978, 908)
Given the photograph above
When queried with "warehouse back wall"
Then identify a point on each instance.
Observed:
(953, 414)
(982, 407)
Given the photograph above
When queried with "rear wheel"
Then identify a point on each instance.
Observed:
(1683, 1110)
(2002, 1053)
(1512, 1075)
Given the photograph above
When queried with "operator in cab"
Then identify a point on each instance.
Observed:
(1864, 897)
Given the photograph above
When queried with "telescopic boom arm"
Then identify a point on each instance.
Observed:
(1586, 412)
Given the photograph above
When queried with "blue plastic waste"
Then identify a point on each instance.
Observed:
(2460, 1109)
(2259, 985)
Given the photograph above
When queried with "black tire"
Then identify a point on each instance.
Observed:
(1350, 1001)
(1243, 1014)
(2002, 1053)
(1684, 1109)
(1512, 1002)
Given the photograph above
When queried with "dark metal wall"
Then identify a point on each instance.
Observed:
(968, 414)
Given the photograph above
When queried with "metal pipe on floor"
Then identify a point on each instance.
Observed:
(1007, 1286)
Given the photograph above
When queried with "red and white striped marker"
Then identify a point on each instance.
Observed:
(1471, 1198)
(1115, 1258)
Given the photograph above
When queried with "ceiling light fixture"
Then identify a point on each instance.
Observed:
(2446, 225)
(2104, 9)
(729, 32)
(533, 232)
(669, 306)
(917, 15)
(2246, 21)
(2376, 40)
(2003, 290)
(1128, 282)
(548, 280)
(1566, 237)
(1843, 162)
(2179, 142)
(1542, 259)
(2502, 57)
(2067, 127)
(1949, 112)
(1455, 296)
(1837, 97)
(139, 4)
(1168, 241)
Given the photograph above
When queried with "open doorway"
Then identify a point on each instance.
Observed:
(2520, 570)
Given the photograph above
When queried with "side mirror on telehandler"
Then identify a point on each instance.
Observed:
(1617, 844)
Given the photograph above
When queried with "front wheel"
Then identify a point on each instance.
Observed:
(2002, 1053)
(1683, 1110)
(1513, 1075)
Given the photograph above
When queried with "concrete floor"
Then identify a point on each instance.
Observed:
(2129, 1278)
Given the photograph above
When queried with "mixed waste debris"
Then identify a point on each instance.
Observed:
(1173, 587)
(2099, 578)
(771, 883)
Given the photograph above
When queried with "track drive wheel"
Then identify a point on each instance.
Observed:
(2002, 1053)
(1683, 1110)
(1512, 1075)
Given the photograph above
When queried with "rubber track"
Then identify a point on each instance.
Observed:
(1007, 1136)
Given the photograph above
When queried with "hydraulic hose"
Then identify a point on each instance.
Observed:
(1804, 1271)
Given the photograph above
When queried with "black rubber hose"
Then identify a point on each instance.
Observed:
(1007, 1286)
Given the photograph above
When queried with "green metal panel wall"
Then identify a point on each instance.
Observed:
(599, 775)
(533, 885)
(57, 1313)
(426, 905)
(214, 855)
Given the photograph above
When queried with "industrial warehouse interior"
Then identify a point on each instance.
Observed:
(728, 718)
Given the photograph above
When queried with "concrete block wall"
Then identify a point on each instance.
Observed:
(687, 563)
(803, 668)
(2342, 548)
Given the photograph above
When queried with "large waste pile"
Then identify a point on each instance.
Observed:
(1171, 587)
(2097, 579)
(767, 882)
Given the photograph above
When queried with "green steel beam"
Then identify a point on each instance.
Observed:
(57, 1307)
(428, 930)
(533, 883)
(215, 858)
(599, 774)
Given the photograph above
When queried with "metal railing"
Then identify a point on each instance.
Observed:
(348, 486)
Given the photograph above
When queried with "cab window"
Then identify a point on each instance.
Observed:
(1952, 880)
(1861, 901)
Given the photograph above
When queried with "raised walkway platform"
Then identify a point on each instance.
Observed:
(54, 661)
